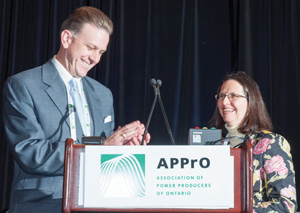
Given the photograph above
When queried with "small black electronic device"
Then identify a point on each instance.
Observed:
(204, 136)
(93, 140)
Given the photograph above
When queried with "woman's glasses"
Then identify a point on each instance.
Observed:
(231, 96)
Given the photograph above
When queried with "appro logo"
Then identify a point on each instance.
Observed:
(122, 175)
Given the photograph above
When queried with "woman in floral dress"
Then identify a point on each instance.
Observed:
(242, 116)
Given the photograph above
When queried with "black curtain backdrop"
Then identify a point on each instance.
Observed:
(190, 45)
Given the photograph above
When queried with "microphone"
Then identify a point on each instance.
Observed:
(158, 84)
(152, 83)
(227, 138)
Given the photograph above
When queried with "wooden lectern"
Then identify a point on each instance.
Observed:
(243, 183)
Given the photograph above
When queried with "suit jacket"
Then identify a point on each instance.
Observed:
(36, 123)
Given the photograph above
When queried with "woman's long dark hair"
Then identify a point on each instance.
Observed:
(257, 118)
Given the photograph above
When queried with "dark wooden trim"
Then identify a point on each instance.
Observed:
(243, 183)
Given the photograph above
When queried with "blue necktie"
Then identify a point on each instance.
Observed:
(77, 103)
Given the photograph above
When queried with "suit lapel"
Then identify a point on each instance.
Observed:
(56, 90)
(57, 93)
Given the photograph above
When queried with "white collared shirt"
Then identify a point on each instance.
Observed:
(66, 77)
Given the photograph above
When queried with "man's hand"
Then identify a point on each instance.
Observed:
(130, 134)
(138, 140)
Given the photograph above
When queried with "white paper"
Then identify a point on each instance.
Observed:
(81, 179)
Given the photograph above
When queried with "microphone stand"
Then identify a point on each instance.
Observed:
(153, 83)
(156, 85)
(159, 83)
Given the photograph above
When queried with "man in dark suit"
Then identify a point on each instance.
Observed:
(40, 113)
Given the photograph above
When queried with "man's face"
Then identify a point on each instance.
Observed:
(85, 51)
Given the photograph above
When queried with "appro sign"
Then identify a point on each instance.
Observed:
(158, 177)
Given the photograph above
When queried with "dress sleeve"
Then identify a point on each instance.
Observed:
(274, 176)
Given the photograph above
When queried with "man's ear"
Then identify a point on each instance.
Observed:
(66, 38)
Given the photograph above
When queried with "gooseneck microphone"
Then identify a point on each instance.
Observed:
(152, 83)
(222, 139)
(158, 84)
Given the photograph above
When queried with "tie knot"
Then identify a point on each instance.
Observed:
(73, 83)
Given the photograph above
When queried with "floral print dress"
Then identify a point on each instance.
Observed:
(273, 174)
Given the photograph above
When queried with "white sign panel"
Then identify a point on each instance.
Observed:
(158, 177)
